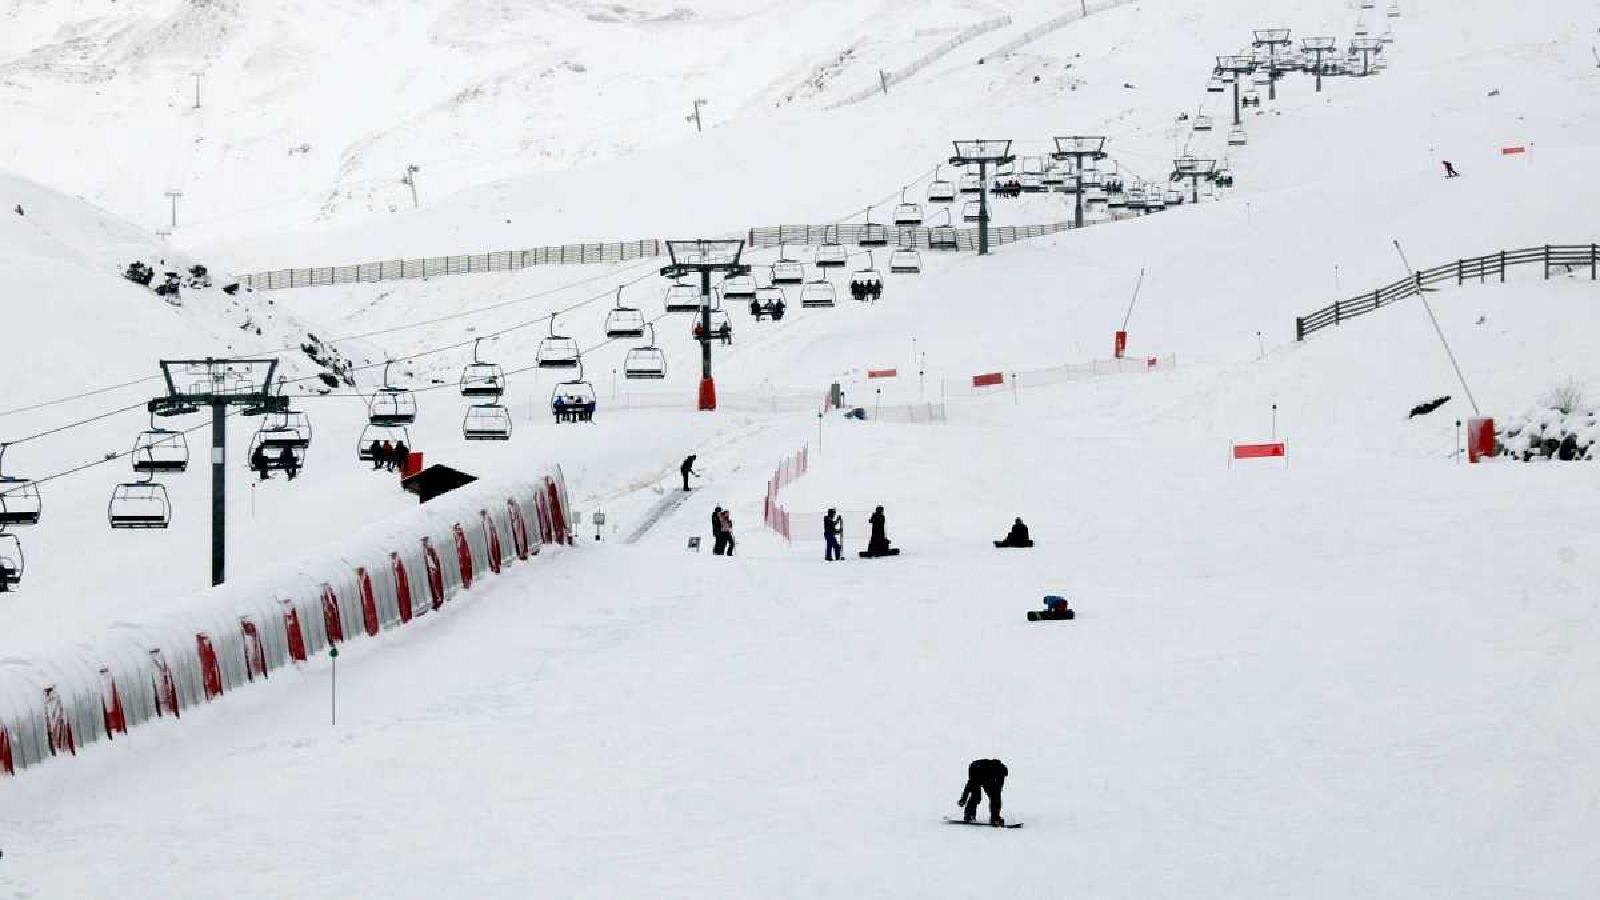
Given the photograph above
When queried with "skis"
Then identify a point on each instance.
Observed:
(1050, 615)
(951, 821)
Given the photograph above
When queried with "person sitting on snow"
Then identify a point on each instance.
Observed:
(1018, 536)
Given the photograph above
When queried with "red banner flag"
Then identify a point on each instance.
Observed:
(882, 373)
(988, 380)
(1512, 151)
(1258, 451)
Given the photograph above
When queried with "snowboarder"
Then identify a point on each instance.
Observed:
(984, 776)
(402, 454)
(1018, 536)
(719, 538)
(376, 452)
(877, 541)
(727, 532)
(258, 461)
(288, 463)
(687, 469)
(833, 533)
(1450, 170)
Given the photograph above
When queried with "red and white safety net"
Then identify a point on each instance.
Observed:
(788, 472)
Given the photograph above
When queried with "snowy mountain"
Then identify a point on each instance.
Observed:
(1364, 668)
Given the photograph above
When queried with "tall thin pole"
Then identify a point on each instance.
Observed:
(705, 323)
(1236, 120)
(983, 208)
(1077, 194)
(219, 492)
(173, 196)
(197, 78)
(1438, 330)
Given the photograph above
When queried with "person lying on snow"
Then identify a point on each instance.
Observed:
(1018, 536)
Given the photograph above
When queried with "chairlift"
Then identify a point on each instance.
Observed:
(392, 405)
(818, 293)
(1386, 38)
(1215, 86)
(873, 234)
(138, 505)
(1393, 11)
(624, 321)
(1056, 176)
(486, 422)
(941, 190)
(480, 378)
(1250, 99)
(905, 261)
(869, 278)
(20, 503)
(771, 296)
(1202, 123)
(648, 362)
(907, 214)
(380, 435)
(1173, 197)
(971, 184)
(557, 351)
(1237, 138)
(734, 287)
(573, 400)
(1261, 79)
(1006, 169)
(682, 298)
(784, 271)
(971, 210)
(287, 432)
(12, 563)
(1032, 183)
(160, 450)
(1368, 4)
(942, 237)
(832, 256)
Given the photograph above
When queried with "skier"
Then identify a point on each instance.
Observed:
(833, 533)
(559, 407)
(1018, 536)
(288, 463)
(687, 469)
(385, 458)
(877, 541)
(402, 454)
(727, 532)
(258, 461)
(984, 776)
(719, 538)
(376, 452)
(1450, 170)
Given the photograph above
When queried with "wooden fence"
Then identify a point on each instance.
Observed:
(1564, 258)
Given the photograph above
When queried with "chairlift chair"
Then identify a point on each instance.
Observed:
(907, 214)
(648, 362)
(868, 277)
(1006, 169)
(943, 237)
(831, 256)
(769, 296)
(1250, 99)
(1386, 38)
(1202, 123)
(1237, 138)
(1393, 11)
(682, 298)
(735, 287)
(12, 562)
(160, 450)
(274, 443)
(1032, 183)
(482, 379)
(575, 394)
(905, 261)
(941, 191)
(785, 270)
(818, 293)
(971, 184)
(380, 435)
(971, 210)
(486, 422)
(873, 234)
(139, 504)
(557, 351)
(392, 405)
(1215, 86)
(20, 503)
(624, 321)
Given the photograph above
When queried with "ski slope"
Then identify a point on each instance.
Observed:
(1365, 670)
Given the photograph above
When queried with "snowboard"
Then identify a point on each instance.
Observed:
(865, 555)
(951, 821)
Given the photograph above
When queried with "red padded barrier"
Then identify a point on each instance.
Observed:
(292, 633)
(111, 704)
(331, 621)
(369, 602)
(430, 561)
(463, 556)
(255, 655)
(166, 686)
(210, 668)
(491, 536)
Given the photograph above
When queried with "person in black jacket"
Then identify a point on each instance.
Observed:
(258, 461)
(833, 534)
(719, 538)
(687, 469)
(288, 463)
(1018, 536)
(878, 540)
(375, 450)
(984, 776)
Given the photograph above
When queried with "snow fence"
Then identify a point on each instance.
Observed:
(220, 640)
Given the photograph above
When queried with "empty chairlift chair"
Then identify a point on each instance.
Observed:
(557, 351)
(682, 298)
(625, 321)
(1237, 138)
(740, 288)
(907, 215)
(873, 234)
(486, 422)
(139, 504)
(818, 293)
(1215, 86)
(373, 437)
(786, 270)
(1202, 123)
(905, 261)
(648, 363)
(831, 256)
(941, 190)
(482, 380)
(971, 183)
(970, 211)
(391, 405)
(20, 502)
(160, 450)
(943, 237)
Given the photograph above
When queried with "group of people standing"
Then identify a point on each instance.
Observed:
(388, 456)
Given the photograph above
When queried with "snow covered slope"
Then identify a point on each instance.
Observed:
(1366, 670)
